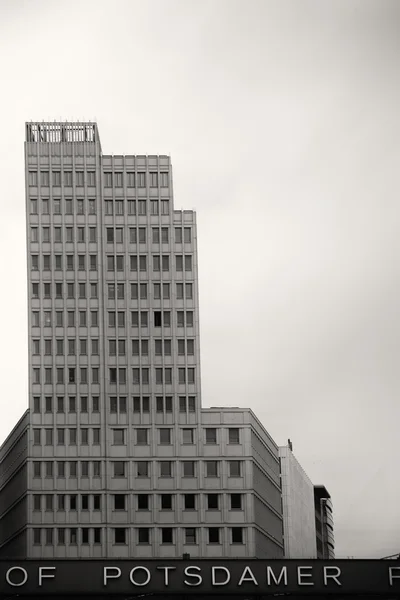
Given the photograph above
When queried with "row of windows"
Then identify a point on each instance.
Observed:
(80, 234)
(74, 536)
(116, 179)
(116, 207)
(166, 468)
(113, 263)
(164, 435)
(115, 318)
(117, 405)
(113, 235)
(83, 502)
(115, 347)
(114, 291)
(115, 375)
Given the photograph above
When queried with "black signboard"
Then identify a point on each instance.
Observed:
(201, 577)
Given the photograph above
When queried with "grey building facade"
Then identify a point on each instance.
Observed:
(117, 458)
(324, 523)
(298, 507)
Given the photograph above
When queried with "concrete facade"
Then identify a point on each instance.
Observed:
(120, 458)
(324, 524)
(298, 507)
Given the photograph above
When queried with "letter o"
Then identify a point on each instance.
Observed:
(143, 569)
(25, 579)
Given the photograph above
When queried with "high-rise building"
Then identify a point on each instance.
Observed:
(115, 456)
(324, 523)
(298, 507)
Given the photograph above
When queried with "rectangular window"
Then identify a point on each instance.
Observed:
(212, 502)
(187, 436)
(235, 501)
(44, 178)
(142, 469)
(130, 179)
(142, 207)
(154, 207)
(167, 535)
(165, 468)
(91, 178)
(164, 179)
(164, 207)
(142, 437)
(108, 179)
(233, 435)
(156, 235)
(32, 178)
(188, 262)
(190, 502)
(190, 535)
(234, 468)
(92, 234)
(119, 468)
(211, 435)
(188, 468)
(211, 468)
(237, 535)
(141, 180)
(118, 179)
(153, 179)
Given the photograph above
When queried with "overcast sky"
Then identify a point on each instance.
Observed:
(282, 121)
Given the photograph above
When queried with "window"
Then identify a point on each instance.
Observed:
(190, 535)
(143, 535)
(190, 502)
(130, 179)
(81, 234)
(143, 502)
(179, 262)
(33, 178)
(44, 178)
(119, 207)
(187, 235)
(233, 435)
(188, 263)
(91, 178)
(164, 207)
(111, 291)
(165, 436)
(73, 468)
(119, 468)
(46, 234)
(71, 318)
(166, 502)
(71, 375)
(37, 502)
(118, 179)
(92, 234)
(154, 207)
(61, 469)
(37, 469)
(164, 179)
(60, 404)
(179, 291)
(92, 207)
(212, 502)
(72, 437)
(48, 437)
(37, 437)
(72, 404)
(182, 375)
(48, 469)
(120, 536)
(96, 436)
(213, 535)
(142, 437)
(60, 437)
(96, 502)
(107, 179)
(132, 211)
(188, 468)
(119, 502)
(121, 291)
(167, 535)
(187, 436)
(84, 436)
(36, 375)
(119, 235)
(95, 404)
(164, 235)
(94, 319)
(236, 501)
(234, 468)
(165, 468)
(142, 469)
(156, 235)
(153, 179)
(36, 404)
(237, 535)
(80, 207)
(141, 179)
(119, 437)
(211, 468)
(211, 435)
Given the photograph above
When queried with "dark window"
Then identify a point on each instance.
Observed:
(212, 502)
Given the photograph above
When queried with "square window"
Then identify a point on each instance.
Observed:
(165, 468)
(212, 501)
(119, 469)
(166, 501)
(142, 469)
(119, 502)
(188, 436)
(142, 437)
(211, 435)
(234, 468)
(143, 535)
(211, 468)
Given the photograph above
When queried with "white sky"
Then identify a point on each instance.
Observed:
(282, 121)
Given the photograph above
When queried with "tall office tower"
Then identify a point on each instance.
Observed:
(116, 457)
